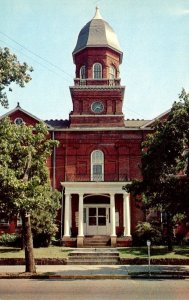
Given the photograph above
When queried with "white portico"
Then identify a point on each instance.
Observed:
(95, 217)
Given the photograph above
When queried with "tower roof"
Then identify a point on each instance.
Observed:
(97, 33)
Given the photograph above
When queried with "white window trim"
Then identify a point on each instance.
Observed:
(80, 72)
(3, 223)
(95, 64)
(19, 221)
(20, 120)
(101, 176)
(112, 75)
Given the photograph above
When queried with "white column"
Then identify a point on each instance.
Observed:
(80, 225)
(112, 215)
(126, 215)
(70, 211)
(67, 216)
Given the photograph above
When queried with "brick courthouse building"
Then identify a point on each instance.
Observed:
(99, 150)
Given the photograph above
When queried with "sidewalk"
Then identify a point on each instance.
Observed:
(97, 272)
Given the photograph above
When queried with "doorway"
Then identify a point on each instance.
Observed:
(97, 219)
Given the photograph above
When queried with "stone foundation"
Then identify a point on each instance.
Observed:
(80, 240)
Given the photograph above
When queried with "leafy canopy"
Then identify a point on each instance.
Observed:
(11, 71)
(165, 162)
(24, 177)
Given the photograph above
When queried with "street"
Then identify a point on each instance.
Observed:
(13, 289)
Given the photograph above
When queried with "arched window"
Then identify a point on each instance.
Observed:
(97, 165)
(97, 71)
(82, 72)
(112, 72)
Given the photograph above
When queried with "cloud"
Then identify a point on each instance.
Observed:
(181, 11)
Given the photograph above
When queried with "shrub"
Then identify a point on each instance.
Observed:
(7, 239)
(43, 228)
(186, 240)
(41, 240)
(147, 231)
(43, 221)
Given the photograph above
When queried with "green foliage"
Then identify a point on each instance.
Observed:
(179, 217)
(43, 221)
(7, 239)
(24, 177)
(147, 231)
(12, 71)
(164, 155)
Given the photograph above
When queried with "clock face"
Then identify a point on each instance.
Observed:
(97, 107)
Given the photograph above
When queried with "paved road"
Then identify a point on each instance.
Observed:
(94, 289)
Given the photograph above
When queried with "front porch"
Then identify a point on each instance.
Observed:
(96, 209)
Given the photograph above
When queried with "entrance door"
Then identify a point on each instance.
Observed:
(97, 220)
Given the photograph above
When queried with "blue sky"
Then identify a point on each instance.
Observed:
(153, 34)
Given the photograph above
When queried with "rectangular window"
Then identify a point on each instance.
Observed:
(4, 221)
(97, 173)
(97, 169)
(19, 220)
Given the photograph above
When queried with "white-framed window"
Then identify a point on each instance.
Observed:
(4, 221)
(82, 73)
(112, 72)
(19, 220)
(19, 121)
(97, 71)
(97, 165)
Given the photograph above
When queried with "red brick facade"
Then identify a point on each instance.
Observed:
(87, 131)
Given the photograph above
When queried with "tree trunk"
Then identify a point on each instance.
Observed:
(26, 227)
(169, 233)
(28, 243)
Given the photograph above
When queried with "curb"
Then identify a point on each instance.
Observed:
(92, 277)
(89, 277)
(74, 277)
(158, 276)
(123, 261)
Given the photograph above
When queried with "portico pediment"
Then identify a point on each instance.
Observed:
(93, 187)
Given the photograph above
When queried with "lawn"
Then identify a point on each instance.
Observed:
(181, 252)
(49, 252)
(131, 252)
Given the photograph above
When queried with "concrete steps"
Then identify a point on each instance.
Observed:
(96, 242)
(93, 257)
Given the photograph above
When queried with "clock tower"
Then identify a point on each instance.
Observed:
(97, 94)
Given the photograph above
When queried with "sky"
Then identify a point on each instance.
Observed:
(153, 34)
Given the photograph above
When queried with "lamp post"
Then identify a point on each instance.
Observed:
(149, 244)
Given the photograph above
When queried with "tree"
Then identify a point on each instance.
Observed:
(44, 221)
(24, 177)
(11, 71)
(164, 158)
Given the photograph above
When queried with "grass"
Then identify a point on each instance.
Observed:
(49, 252)
(181, 252)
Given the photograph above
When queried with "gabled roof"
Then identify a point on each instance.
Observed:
(18, 108)
(160, 117)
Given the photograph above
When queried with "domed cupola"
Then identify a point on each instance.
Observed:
(97, 94)
(97, 33)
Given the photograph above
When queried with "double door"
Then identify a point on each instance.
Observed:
(97, 220)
